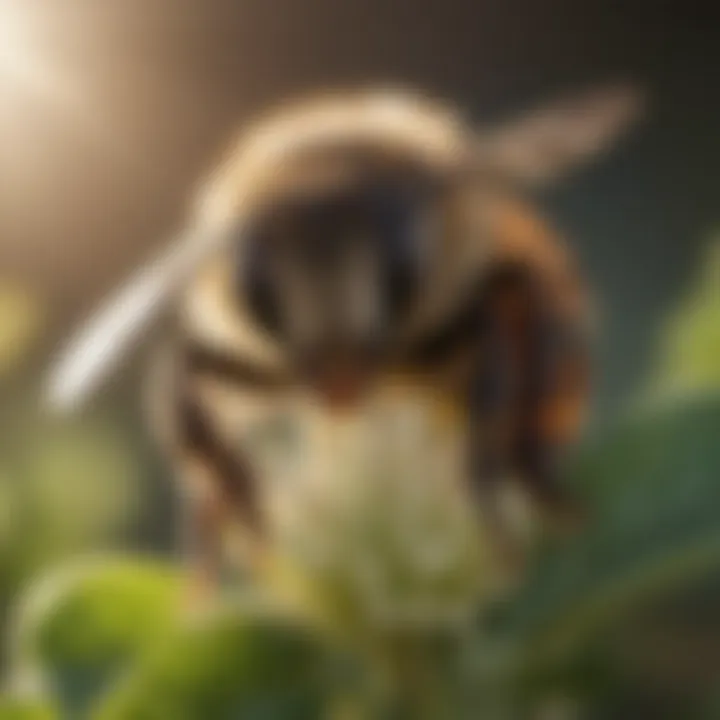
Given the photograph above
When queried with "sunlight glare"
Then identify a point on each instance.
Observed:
(16, 61)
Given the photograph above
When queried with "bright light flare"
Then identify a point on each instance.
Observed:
(46, 100)
(18, 67)
(28, 72)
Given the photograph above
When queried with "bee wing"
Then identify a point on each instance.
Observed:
(544, 145)
(112, 332)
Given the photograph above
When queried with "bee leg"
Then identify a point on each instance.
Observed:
(528, 391)
(539, 469)
(221, 490)
(490, 450)
(550, 409)
(488, 475)
(202, 529)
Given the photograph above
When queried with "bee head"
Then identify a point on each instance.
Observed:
(334, 271)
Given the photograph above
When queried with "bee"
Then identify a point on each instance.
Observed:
(356, 237)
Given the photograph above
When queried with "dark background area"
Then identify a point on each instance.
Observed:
(150, 91)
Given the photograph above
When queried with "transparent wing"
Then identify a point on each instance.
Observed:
(113, 332)
(544, 145)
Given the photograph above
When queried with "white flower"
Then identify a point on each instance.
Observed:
(375, 505)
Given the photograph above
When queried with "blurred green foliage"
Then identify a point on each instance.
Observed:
(81, 629)
(80, 626)
(65, 486)
(234, 664)
(652, 484)
(689, 352)
(18, 709)
(64, 489)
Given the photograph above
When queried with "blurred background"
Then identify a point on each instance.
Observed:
(112, 111)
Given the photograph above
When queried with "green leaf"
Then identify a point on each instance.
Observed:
(689, 352)
(79, 627)
(655, 528)
(20, 709)
(244, 661)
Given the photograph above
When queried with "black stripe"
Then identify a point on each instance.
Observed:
(470, 319)
(216, 363)
(457, 332)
